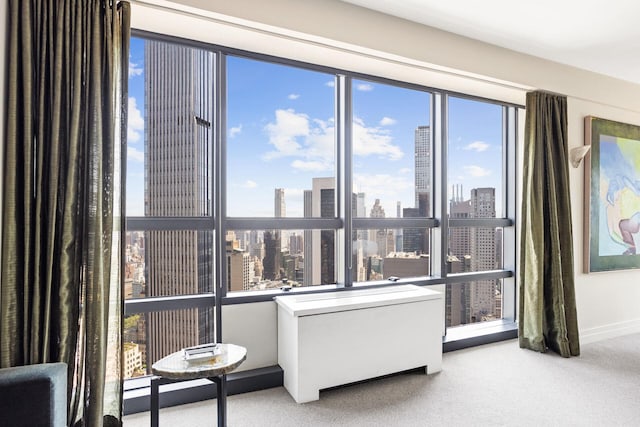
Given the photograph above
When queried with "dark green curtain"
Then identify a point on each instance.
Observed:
(62, 207)
(547, 310)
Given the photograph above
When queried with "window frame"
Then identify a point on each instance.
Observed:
(344, 223)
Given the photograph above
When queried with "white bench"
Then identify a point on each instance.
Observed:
(336, 338)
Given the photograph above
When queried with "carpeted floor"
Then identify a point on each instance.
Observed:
(492, 385)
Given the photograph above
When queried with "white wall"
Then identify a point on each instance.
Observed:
(352, 27)
(254, 326)
(607, 302)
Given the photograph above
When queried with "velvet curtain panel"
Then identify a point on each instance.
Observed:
(62, 203)
(547, 309)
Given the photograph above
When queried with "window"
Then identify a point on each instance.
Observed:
(280, 136)
(392, 179)
(477, 143)
(280, 164)
(169, 247)
(248, 174)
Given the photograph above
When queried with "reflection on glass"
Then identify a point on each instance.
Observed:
(270, 259)
(391, 151)
(473, 302)
(384, 253)
(167, 263)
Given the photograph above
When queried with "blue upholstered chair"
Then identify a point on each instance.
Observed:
(34, 395)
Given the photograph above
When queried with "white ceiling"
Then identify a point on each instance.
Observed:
(596, 35)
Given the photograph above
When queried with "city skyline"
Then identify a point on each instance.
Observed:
(280, 134)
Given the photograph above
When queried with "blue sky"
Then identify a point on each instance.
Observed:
(281, 133)
(135, 132)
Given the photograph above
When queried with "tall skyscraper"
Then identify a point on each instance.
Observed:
(308, 238)
(273, 240)
(483, 241)
(472, 249)
(238, 265)
(458, 302)
(318, 264)
(416, 239)
(422, 143)
(361, 209)
(399, 233)
(279, 209)
(178, 141)
(272, 255)
(380, 237)
(459, 237)
(324, 205)
(319, 245)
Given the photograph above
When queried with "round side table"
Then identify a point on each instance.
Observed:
(174, 368)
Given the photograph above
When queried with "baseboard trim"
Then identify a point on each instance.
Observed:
(199, 390)
(612, 330)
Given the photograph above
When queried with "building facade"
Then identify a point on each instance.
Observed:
(178, 142)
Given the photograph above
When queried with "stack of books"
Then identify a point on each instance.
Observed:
(202, 351)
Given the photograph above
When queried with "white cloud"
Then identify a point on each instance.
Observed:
(364, 87)
(249, 184)
(320, 145)
(234, 131)
(405, 171)
(295, 135)
(135, 122)
(388, 121)
(134, 69)
(293, 96)
(374, 141)
(309, 166)
(477, 171)
(478, 146)
(311, 142)
(284, 134)
(330, 83)
(135, 155)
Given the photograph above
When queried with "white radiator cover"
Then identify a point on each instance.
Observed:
(336, 338)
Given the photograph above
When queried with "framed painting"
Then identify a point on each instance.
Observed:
(612, 196)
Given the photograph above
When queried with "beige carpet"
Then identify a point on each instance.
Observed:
(492, 385)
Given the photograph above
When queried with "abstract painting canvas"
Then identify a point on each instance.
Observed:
(612, 191)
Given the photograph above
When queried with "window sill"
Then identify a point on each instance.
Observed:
(465, 336)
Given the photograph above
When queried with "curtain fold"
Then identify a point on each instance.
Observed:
(62, 201)
(547, 309)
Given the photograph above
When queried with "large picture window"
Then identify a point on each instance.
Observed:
(392, 179)
(476, 146)
(250, 175)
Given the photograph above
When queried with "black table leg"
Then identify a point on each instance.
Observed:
(221, 385)
(155, 401)
(221, 382)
